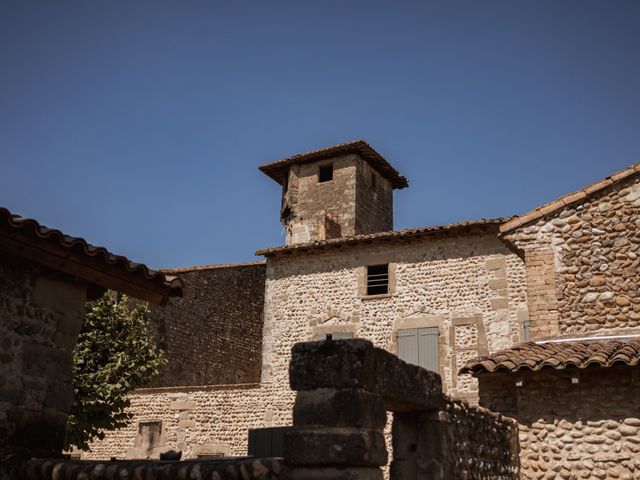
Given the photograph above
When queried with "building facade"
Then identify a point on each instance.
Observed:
(449, 298)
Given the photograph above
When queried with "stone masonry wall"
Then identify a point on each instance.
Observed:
(589, 429)
(479, 444)
(308, 201)
(374, 200)
(471, 287)
(594, 249)
(213, 334)
(40, 318)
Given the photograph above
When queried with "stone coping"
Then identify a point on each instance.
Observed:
(215, 469)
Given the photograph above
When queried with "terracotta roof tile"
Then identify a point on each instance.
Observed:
(26, 237)
(278, 170)
(382, 236)
(558, 355)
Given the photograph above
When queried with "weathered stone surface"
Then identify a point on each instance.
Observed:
(35, 367)
(223, 469)
(339, 408)
(335, 446)
(364, 473)
(594, 428)
(590, 275)
(357, 364)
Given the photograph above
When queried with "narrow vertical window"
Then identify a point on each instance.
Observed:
(325, 173)
(377, 279)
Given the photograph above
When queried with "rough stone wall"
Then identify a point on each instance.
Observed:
(595, 251)
(309, 201)
(471, 287)
(213, 334)
(40, 318)
(477, 443)
(374, 200)
(207, 421)
(589, 429)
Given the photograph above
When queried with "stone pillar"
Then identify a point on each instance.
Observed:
(338, 421)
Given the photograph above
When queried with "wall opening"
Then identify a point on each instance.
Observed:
(377, 279)
(325, 173)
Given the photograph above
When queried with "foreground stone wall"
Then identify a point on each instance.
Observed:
(40, 318)
(343, 390)
(213, 334)
(588, 429)
(583, 264)
(476, 443)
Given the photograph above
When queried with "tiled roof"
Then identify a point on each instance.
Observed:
(278, 170)
(392, 235)
(212, 266)
(557, 355)
(570, 198)
(25, 237)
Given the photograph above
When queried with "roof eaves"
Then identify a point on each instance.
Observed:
(277, 170)
(26, 238)
(393, 235)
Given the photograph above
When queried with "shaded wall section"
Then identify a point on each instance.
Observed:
(40, 318)
(573, 423)
(213, 334)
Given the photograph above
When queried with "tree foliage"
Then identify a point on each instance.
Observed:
(115, 354)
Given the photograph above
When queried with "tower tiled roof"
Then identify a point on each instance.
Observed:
(278, 170)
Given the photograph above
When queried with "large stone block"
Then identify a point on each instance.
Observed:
(335, 447)
(333, 474)
(339, 408)
(357, 364)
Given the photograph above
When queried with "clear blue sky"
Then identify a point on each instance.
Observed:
(139, 125)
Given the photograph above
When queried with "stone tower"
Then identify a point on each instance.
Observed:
(335, 192)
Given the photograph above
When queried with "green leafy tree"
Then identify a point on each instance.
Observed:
(115, 354)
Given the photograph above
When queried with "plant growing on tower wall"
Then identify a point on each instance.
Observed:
(116, 353)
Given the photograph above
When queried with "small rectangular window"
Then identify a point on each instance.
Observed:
(334, 336)
(326, 173)
(377, 279)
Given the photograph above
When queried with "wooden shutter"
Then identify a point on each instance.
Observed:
(429, 348)
(408, 345)
(420, 346)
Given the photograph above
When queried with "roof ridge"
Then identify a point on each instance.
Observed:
(211, 266)
(390, 234)
(276, 170)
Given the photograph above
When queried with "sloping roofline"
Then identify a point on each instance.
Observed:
(569, 199)
(26, 238)
(393, 235)
(532, 356)
(279, 170)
